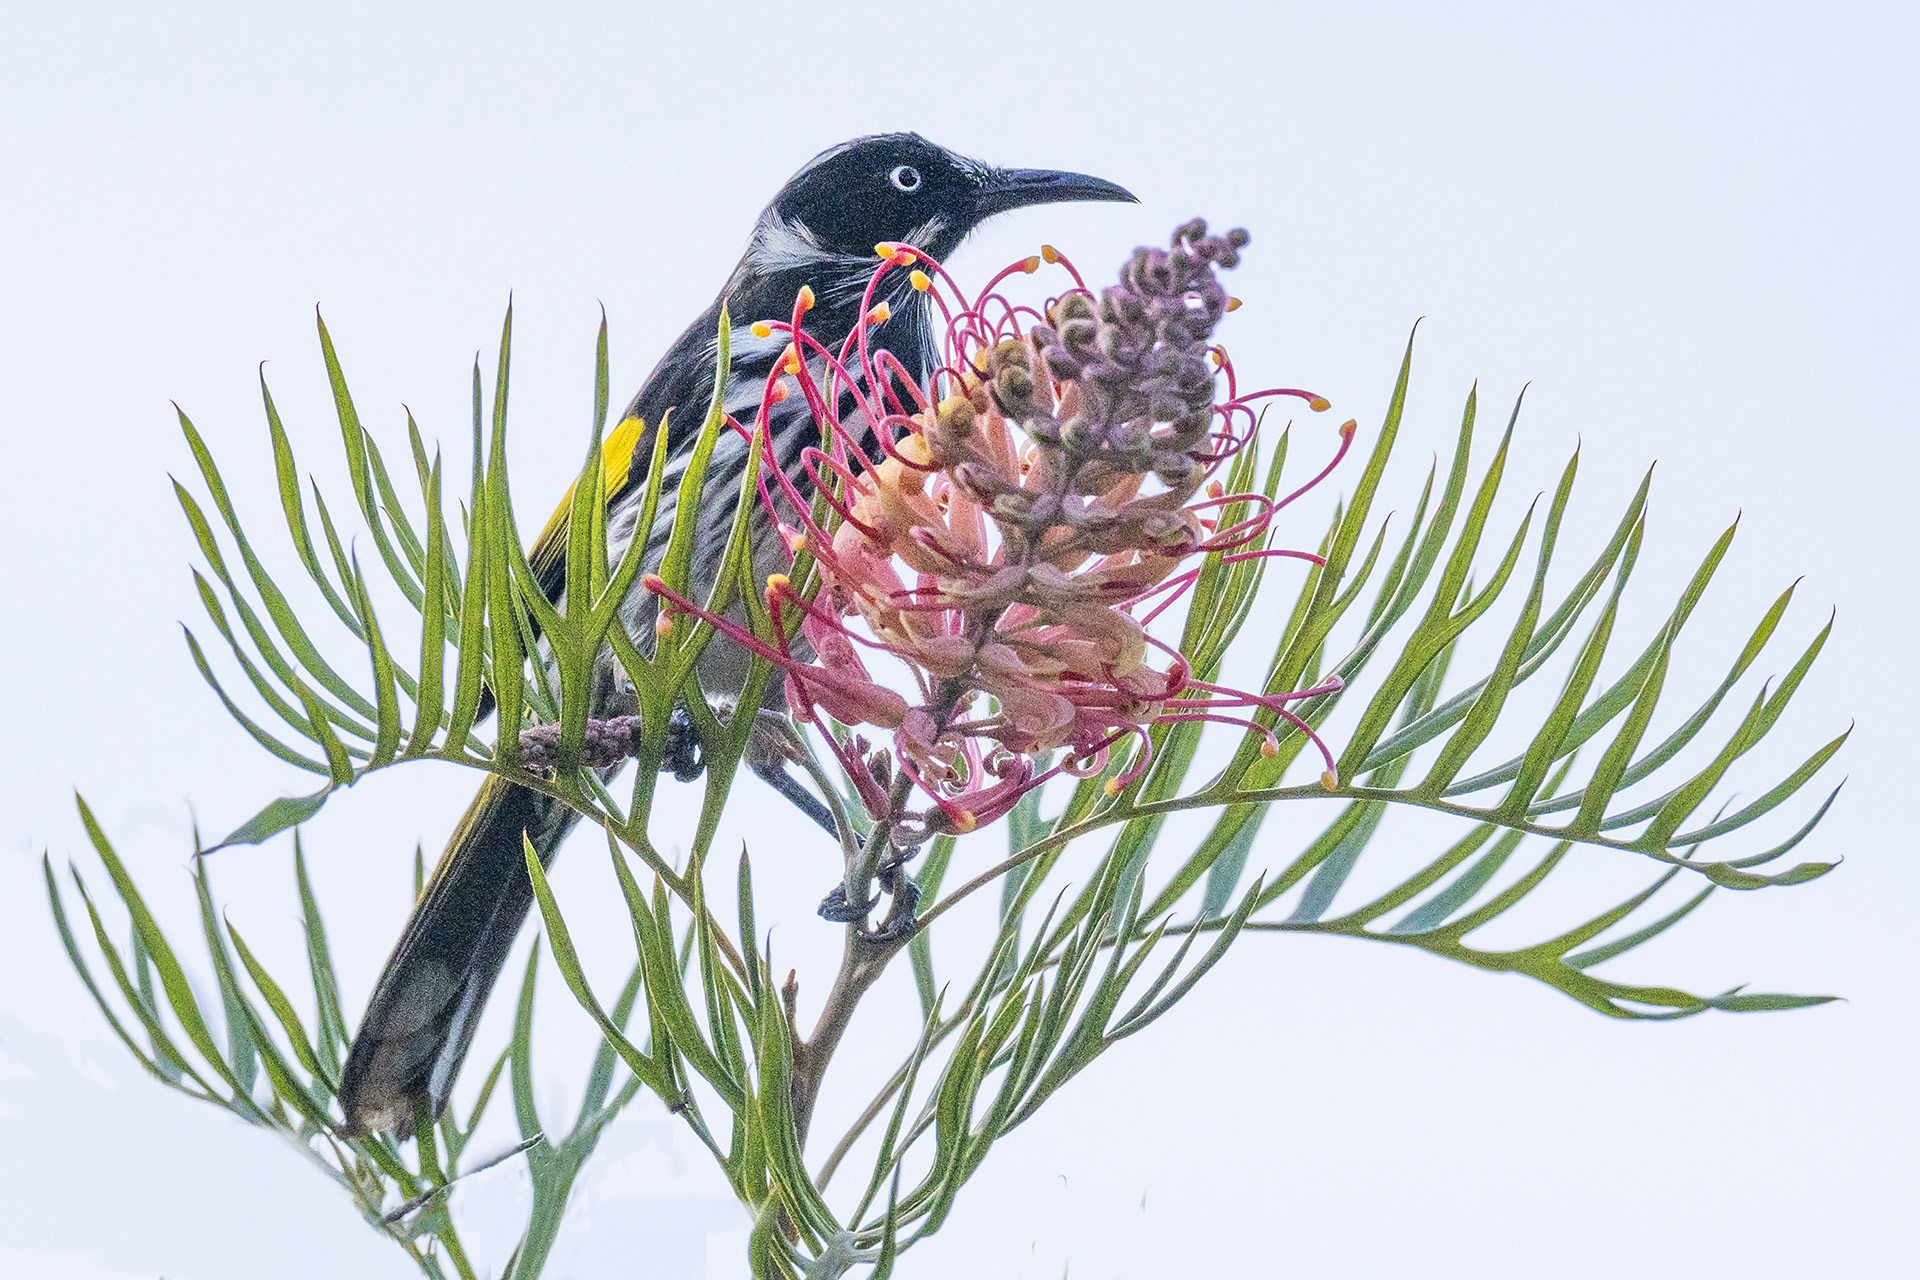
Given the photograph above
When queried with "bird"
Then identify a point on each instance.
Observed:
(820, 231)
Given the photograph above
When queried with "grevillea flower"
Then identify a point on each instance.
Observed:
(1011, 540)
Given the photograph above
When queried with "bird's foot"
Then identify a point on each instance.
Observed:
(900, 920)
(889, 875)
(836, 908)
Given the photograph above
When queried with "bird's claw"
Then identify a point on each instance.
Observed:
(889, 874)
(900, 921)
(836, 908)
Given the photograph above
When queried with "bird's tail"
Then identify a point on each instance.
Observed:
(423, 1011)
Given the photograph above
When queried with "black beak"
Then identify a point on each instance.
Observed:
(1006, 189)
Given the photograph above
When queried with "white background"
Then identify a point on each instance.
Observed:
(1690, 227)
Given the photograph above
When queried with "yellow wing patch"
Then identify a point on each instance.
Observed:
(616, 463)
(616, 459)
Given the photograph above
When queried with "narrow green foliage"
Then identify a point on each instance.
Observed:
(1087, 948)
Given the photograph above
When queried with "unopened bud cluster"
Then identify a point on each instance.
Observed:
(1139, 362)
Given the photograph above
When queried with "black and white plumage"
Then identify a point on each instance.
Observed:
(820, 231)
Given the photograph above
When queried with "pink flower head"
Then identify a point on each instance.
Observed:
(1012, 531)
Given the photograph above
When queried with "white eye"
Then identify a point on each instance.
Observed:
(905, 178)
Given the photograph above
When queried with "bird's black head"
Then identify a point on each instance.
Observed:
(899, 186)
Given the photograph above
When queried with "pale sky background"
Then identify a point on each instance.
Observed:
(1690, 227)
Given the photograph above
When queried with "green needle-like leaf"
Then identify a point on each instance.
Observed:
(428, 706)
(81, 968)
(283, 1011)
(180, 996)
(354, 437)
(387, 738)
(502, 541)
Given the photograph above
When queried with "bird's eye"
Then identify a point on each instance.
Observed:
(905, 178)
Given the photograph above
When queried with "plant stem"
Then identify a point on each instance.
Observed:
(865, 957)
(862, 961)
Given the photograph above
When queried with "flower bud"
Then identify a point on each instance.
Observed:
(1163, 529)
(1078, 335)
(1195, 376)
(1014, 387)
(1186, 433)
(977, 482)
(1045, 510)
(1130, 436)
(956, 416)
(1175, 469)
(1071, 306)
(1012, 504)
(1078, 435)
(1166, 407)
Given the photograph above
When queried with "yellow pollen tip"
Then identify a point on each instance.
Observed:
(886, 251)
(1218, 359)
(965, 820)
(880, 314)
(806, 297)
(1113, 786)
(790, 359)
(1328, 781)
(796, 542)
(1233, 304)
(663, 626)
(777, 582)
(1319, 404)
(1050, 253)
(761, 329)
(905, 258)
(919, 281)
(1269, 749)
(1347, 428)
(1030, 265)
